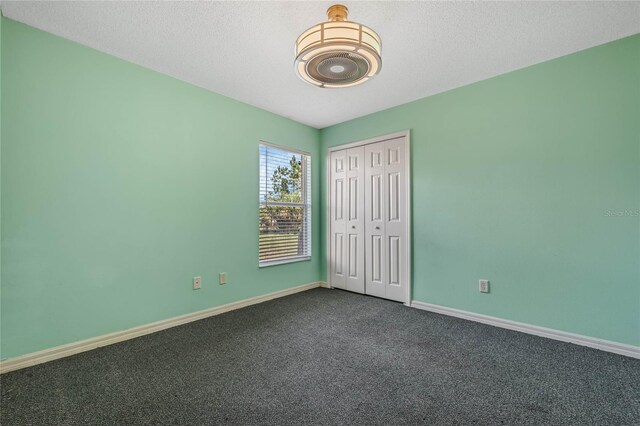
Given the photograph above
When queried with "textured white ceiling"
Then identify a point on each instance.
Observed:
(244, 50)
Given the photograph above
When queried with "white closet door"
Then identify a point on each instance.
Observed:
(369, 219)
(338, 219)
(375, 202)
(396, 219)
(354, 249)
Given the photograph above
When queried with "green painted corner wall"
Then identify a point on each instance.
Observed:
(1, 20)
(531, 180)
(119, 184)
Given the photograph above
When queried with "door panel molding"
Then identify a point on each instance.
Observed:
(355, 280)
(337, 223)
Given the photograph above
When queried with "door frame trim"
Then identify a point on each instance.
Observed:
(407, 152)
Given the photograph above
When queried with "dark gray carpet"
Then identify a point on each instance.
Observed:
(328, 357)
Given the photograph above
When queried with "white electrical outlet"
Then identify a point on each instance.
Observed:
(197, 283)
(223, 278)
(484, 286)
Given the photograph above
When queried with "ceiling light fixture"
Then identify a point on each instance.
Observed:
(338, 53)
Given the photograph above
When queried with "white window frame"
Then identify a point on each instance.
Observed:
(306, 204)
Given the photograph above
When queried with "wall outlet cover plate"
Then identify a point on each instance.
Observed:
(197, 283)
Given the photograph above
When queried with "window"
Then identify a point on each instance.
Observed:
(285, 205)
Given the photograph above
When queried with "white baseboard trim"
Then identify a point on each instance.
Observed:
(57, 352)
(563, 336)
(324, 284)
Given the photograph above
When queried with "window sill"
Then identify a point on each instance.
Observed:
(283, 261)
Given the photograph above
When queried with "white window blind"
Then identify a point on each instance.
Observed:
(285, 205)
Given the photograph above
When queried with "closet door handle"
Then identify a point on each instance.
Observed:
(353, 227)
(377, 227)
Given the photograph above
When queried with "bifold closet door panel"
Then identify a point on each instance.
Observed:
(338, 221)
(354, 259)
(368, 207)
(396, 219)
(375, 201)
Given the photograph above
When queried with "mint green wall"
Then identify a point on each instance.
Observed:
(512, 180)
(1, 20)
(119, 184)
